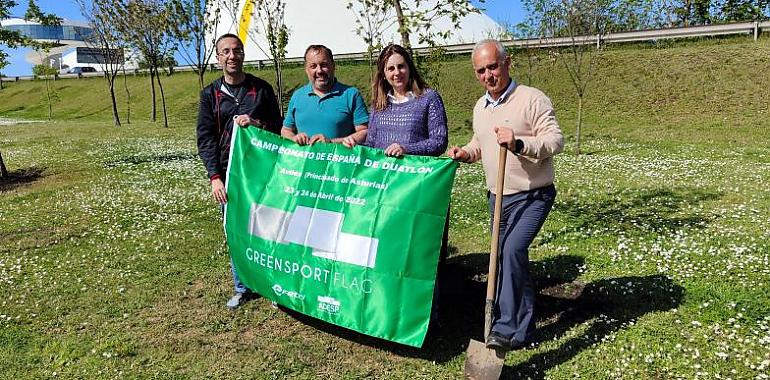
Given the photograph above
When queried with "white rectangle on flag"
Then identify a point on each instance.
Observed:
(268, 223)
(353, 249)
(314, 228)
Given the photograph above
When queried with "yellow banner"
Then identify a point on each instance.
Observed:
(245, 20)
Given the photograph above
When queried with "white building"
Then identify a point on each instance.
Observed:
(331, 23)
(69, 38)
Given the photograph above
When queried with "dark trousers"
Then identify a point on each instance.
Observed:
(523, 214)
(441, 268)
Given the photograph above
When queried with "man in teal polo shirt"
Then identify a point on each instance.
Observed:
(325, 110)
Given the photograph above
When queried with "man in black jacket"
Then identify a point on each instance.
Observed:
(235, 98)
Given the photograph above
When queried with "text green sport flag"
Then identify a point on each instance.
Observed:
(348, 236)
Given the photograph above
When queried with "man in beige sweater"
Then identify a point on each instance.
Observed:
(522, 119)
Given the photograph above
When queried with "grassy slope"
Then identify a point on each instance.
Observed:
(653, 263)
(644, 93)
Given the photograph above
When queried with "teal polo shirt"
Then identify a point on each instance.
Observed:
(334, 115)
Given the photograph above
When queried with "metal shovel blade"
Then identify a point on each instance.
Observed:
(482, 363)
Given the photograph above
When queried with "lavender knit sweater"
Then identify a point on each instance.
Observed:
(418, 125)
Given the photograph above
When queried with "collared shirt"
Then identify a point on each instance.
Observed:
(501, 99)
(392, 98)
(334, 115)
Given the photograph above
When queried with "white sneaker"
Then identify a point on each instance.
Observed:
(234, 301)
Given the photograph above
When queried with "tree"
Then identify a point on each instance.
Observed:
(43, 50)
(581, 21)
(524, 58)
(743, 10)
(3, 169)
(10, 39)
(195, 22)
(420, 15)
(231, 9)
(272, 27)
(35, 14)
(147, 25)
(373, 18)
(107, 44)
(46, 72)
(693, 12)
(627, 15)
(3, 64)
(13, 39)
(128, 95)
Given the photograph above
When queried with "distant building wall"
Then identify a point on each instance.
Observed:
(330, 23)
(70, 47)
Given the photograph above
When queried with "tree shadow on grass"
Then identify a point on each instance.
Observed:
(607, 306)
(144, 159)
(446, 339)
(94, 111)
(460, 295)
(562, 303)
(464, 296)
(646, 210)
(21, 177)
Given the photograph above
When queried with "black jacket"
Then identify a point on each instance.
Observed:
(215, 119)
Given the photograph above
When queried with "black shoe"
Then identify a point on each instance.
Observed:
(517, 344)
(498, 342)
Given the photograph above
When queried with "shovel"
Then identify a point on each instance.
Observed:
(482, 363)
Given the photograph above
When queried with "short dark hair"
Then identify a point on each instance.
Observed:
(319, 48)
(227, 35)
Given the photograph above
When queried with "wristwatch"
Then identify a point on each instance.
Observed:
(518, 147)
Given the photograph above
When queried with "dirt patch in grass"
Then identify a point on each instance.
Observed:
(40, 238)
(568, 291)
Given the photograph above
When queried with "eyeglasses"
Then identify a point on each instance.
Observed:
(238, 52)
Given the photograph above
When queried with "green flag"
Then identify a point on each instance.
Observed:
(348, 236)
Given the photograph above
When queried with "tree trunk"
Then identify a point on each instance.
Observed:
(530, 66)
(163, 102)
(201, 73)
(152, 86)
(279, 84)
(1, 82)
(370, 59)
(128, 96)
(115, 115)
(3, 169)
(402, 25)
(579, 124)
(48, 95)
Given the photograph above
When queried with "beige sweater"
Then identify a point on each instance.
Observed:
(530, 113)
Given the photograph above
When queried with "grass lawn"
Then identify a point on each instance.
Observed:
(654, 263)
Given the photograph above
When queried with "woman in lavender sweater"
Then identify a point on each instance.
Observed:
(407, 116)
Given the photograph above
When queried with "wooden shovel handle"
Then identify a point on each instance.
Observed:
(494, 244)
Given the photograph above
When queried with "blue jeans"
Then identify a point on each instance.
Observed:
(522, 216)
(238, 285)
